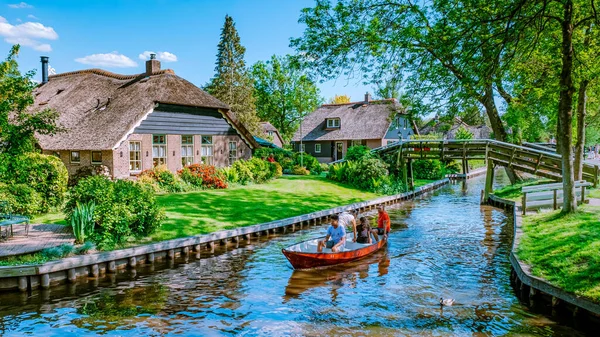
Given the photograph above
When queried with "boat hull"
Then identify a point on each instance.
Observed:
(301, 260)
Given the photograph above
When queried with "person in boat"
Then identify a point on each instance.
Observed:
(347, 219)
(336, 236)
(363, 231)
(383, 223)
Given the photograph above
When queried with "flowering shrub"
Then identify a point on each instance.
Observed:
(211, 178)
(164, 178)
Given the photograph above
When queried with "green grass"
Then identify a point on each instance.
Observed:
(595, 193)
(212, 210)
(565, 250)
(513, 192)
(50, 218)
(475, 164)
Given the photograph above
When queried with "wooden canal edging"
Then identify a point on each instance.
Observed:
(27, 278)
(531, 287)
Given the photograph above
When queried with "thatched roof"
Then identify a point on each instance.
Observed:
(358, 120)
(99, 109)
(266, 127)
(449, 131)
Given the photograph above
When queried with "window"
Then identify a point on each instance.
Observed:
(207, 150)
(317, 148)
(159, 150)
(271, 133)
(333, 123)
(75, 158)
(187, 150)
(135, 156)
(96, 157)
(232, 152)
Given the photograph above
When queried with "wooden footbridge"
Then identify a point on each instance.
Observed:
(535, 160)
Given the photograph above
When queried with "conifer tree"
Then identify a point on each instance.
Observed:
(231, 83)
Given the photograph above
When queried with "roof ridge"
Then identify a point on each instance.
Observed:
(110, 74)
(359, 102)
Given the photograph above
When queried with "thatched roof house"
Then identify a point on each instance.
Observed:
(448, 130)
(332, 128)
(272, 133)
(160, 112)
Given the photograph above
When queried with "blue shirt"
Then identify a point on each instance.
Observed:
(336, 234)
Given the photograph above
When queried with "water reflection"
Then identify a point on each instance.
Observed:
(444, 245)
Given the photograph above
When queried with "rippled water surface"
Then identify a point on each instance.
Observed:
(443, 245)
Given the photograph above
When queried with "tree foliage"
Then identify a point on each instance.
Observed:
(339, 99)
(231, 83)
(18, 125)
(284, 94)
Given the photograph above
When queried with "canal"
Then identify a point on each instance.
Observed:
(442, 245)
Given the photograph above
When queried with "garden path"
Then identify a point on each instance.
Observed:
(40, 237)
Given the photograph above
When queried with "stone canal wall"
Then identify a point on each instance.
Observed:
(27, 278)
(531, 288)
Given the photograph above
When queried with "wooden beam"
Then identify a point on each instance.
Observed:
(489, 180)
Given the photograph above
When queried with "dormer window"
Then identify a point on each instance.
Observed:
(333, 123)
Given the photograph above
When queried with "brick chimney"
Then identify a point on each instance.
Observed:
(367, 97)
(152, 65)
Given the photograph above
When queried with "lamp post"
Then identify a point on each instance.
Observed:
(301, 150)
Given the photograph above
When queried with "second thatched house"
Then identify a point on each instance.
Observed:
(448, 130)
(329, 131)
(132, 123)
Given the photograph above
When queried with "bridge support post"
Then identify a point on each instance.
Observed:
(489, 180)
(404, 169)
(411, 179)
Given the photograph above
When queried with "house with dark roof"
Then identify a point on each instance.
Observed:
(132, 123)
(329, 131)
(272, 133)
(448, 130)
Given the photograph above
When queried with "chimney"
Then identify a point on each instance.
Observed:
(367, 97)
(152, 65)
(44, 69)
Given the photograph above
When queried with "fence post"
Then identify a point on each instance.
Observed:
(555, 204)
(524, 203)
(582, 194)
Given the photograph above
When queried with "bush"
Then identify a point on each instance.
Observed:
(165, 179)
(88, 171)
(278, 154)
(230, 175)
(261, 170)
(428, 169)
(276, 169)
(47, 175)
(242, 171)
(82, 221)
(358, 152)
(368, 174)
(22, 199)
(211, 178)
(300, 171)
(194, 179)
(123, 209)
(310, 163)
(324, 167)
(463, 133)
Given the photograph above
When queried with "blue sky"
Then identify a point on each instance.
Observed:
(112, 34)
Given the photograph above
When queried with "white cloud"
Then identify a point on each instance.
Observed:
(28, 34)
(33, 17)
(20, 5)
(110, 60)
(164, 56)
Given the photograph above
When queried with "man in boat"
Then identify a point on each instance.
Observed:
(347, 220)
(383, 223)
(336, 236)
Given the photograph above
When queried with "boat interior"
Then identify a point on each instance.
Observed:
(311, 246)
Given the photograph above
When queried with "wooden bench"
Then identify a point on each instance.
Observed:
(550, 195)
(7, 219)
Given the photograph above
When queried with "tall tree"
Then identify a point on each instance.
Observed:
(339, 99)
(448, 54)
(231, 83)
(18, 126)
(284, 94)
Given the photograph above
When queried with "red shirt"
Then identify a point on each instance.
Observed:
(383, 216)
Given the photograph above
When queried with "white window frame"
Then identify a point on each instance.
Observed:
(317, 148)
(207, 150)
(333, 123)
(157, 159)
(92, 157)
(134, 160)
(187, 151)
(233, 155)
(78, 161)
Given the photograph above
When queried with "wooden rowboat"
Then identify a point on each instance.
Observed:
(304, 255)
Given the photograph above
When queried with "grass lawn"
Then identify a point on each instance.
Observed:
(565, 250)
(212, 210)
(595, 193)
(513, 192)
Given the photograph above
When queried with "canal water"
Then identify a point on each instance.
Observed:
(444, 245)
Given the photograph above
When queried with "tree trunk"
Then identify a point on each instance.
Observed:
(497, 126)
(581, 112)
(565, 110)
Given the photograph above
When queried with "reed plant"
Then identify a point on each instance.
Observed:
(82, 221)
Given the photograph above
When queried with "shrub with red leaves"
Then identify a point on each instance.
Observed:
(211, 178)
